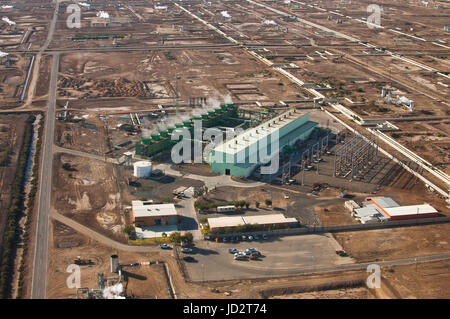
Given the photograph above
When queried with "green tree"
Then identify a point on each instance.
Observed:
(66, 166)
(268, 202)
(175, 237)
(257, 204)
(128, 229)
(187, 238)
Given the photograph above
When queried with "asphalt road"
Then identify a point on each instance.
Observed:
(41, 248)
(38, 289)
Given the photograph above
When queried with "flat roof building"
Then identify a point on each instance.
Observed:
(242, 154)
(146, 214)
(272, 221)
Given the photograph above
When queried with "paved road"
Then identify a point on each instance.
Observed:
(40, 255)
(38, 289)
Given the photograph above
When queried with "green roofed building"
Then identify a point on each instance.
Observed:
(240, 156)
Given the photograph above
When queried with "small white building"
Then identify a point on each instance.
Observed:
(351, 205)
(3, 57)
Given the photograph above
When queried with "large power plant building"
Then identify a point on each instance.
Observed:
(241, 155)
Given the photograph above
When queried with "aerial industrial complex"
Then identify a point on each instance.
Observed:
(229, 149)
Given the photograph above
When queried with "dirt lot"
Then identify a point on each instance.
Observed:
(157, 189)
(88, 135)
(430, 280)
(67, 245)
(346, 293)
(395, 242)
(88, 193)
(12, 78)
(153, 75)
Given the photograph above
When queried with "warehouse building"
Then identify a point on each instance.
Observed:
(381, 209)
(147, 214)
(265, 222)
(241, 155)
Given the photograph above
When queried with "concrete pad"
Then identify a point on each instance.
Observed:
(155, 231)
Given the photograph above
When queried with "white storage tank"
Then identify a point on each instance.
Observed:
(142, 169)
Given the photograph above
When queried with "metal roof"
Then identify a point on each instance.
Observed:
(232, 221)
(218, 222)
(147, 209)
(385, 202)
(253, 135)
(268, 219)
(411, 210)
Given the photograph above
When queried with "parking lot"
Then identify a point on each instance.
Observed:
(280, 256)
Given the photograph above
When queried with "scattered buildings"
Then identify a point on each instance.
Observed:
(241, 155)
(381, 209)
(275, 221)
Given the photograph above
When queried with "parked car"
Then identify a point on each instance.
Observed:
(190, 259)
(207, 237)
(265, 237)
(256, 253)
(253, 257)
(341, 253)
(186, 250)
(250, 238)
(240, 256)
(165, 246)
(251, 249)
(235, 239)
(244, 238)
(185, 244)
(256, 237)
(233, 251)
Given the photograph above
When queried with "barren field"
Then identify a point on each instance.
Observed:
(88, 193)
(86, 133)
(430, 280)
(395, 242)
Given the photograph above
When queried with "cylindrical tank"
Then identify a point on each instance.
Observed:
(114, 263)
(142, 169)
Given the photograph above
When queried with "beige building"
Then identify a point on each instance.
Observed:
(147, 214)
(264, 222)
